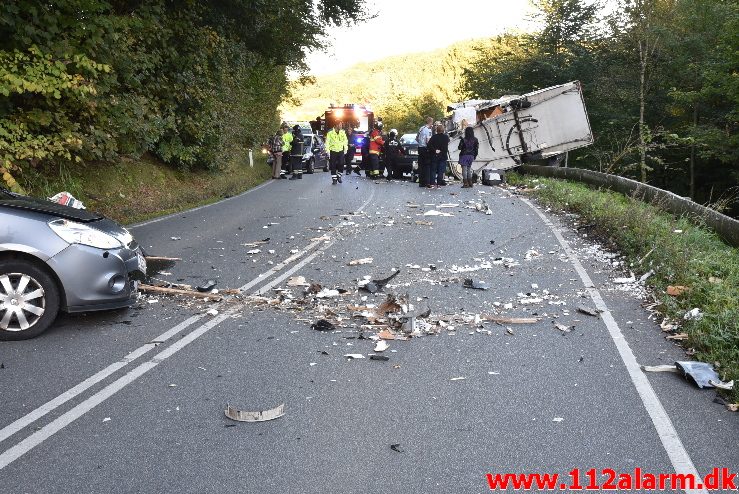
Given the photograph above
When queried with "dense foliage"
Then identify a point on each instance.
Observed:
(185, 80)
(660, 81)
(402, 89)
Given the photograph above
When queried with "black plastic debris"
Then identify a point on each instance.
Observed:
(383, 358)
(207, 286)
(700, 372)
(370, 287)
(396, 448)
(156, 265)
(587, 310)
(323, 325)
(475, 284)
(374, 286)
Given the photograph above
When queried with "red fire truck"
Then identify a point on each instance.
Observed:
(359, 117)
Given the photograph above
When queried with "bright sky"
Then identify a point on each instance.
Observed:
(409, 26)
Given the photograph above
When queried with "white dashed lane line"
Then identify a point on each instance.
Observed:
(38, 437)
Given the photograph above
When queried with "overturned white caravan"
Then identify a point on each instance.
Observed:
(541, 125)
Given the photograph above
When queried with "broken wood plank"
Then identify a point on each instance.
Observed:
(511, 320)
(175, 291)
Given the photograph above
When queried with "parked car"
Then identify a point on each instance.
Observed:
(408, 162)
(54, 257)
(315, 155)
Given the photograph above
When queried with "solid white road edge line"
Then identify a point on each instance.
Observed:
(665, 429)
(162, 218)
(38, 437)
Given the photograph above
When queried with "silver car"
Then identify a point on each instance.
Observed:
(55, 257)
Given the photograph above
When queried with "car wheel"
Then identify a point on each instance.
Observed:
(29, 300)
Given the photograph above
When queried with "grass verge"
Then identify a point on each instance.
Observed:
(696, 258)
(136, 190)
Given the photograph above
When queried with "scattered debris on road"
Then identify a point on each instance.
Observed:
(155, 264)
(297, 281)
(263, 416)
(587, 310)
(563, 328)
(373, 286)
(207, 287)
(323, 325)
(433, 212)
(357, 262)
(475, 284)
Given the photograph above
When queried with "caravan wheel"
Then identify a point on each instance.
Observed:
(455, 169)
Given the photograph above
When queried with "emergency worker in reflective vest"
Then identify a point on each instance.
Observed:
(337, 144)
(375, 148)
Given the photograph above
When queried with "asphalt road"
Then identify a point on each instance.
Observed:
(133, 400)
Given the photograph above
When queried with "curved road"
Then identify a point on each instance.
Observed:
(133, 400)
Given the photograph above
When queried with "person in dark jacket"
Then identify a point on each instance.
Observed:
(393, 150)
(468, 149)
(438, 147)
(424, 159)
(296, 153)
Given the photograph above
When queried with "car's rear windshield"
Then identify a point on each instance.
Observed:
(408, 139)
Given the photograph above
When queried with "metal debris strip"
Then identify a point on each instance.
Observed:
(263, 416)
(701, 373)
(257, 243)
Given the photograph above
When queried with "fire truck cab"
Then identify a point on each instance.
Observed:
(359, 117)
